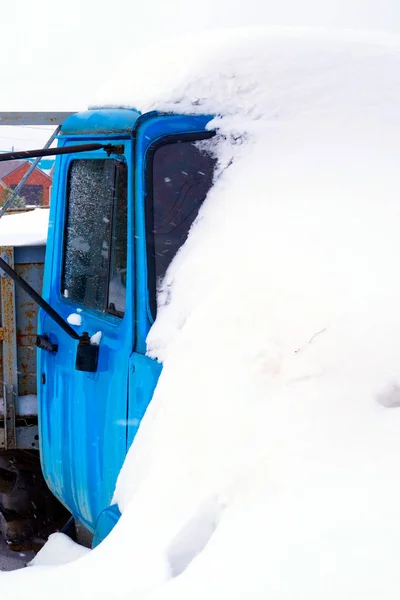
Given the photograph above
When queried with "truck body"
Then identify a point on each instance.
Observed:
(27, 508)
(119, 214)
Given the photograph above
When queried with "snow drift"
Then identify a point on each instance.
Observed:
(266, 464)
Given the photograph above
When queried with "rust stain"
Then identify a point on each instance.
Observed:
(25, 332)
(7, 292)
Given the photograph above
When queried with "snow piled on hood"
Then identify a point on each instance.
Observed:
(266, 465)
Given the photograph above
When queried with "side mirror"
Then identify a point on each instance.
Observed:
(87, 354)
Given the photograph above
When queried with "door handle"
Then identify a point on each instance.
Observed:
(43, 342)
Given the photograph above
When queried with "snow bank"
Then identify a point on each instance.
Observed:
(59, 550)
(24, 229)
(266, 464)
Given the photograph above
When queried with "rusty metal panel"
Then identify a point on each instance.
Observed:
(9, 346)
(18, 318)
(26, 322)
(27, 438)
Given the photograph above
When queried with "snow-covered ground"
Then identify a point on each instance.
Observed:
(267, 463)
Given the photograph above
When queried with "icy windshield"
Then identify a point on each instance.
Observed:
(95, 255)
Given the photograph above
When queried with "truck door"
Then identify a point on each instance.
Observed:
(89, 281)
(175, 169)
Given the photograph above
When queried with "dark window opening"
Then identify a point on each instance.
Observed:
(95, 255)
(179, 176)
(32, 193)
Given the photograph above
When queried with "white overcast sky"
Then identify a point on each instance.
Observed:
(54, 53)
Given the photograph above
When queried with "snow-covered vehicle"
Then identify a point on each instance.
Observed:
(265, 465)
(126, 190)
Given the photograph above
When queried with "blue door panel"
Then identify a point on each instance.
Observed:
(83, 416)
(144, 372)
(151, 128)
(88, 421)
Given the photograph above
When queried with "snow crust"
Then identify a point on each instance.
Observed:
(24, 229)
(96, 338)
(266, 465)
(75, 319)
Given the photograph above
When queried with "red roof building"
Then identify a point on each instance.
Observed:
(37, 189)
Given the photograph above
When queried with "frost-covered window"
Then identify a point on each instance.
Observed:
(180, 175)
(94, 272)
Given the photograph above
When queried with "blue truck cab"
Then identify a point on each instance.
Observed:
(118, 216)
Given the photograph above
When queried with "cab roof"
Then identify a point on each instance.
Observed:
(100, 121)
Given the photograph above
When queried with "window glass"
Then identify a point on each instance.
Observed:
(118, 254)
(94, 272)
(181, 175)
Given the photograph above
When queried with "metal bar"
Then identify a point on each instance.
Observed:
(23, 154)
(38, 299)
(27, 174)
(10, 369)
(34, 118)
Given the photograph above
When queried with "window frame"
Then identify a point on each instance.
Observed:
(175, 138)
(106, 312)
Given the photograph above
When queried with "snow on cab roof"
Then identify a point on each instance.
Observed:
(258, 72)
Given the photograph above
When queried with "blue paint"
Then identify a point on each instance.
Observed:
(108, 518)
(82, 416)
(101, 121)
(88, 421)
